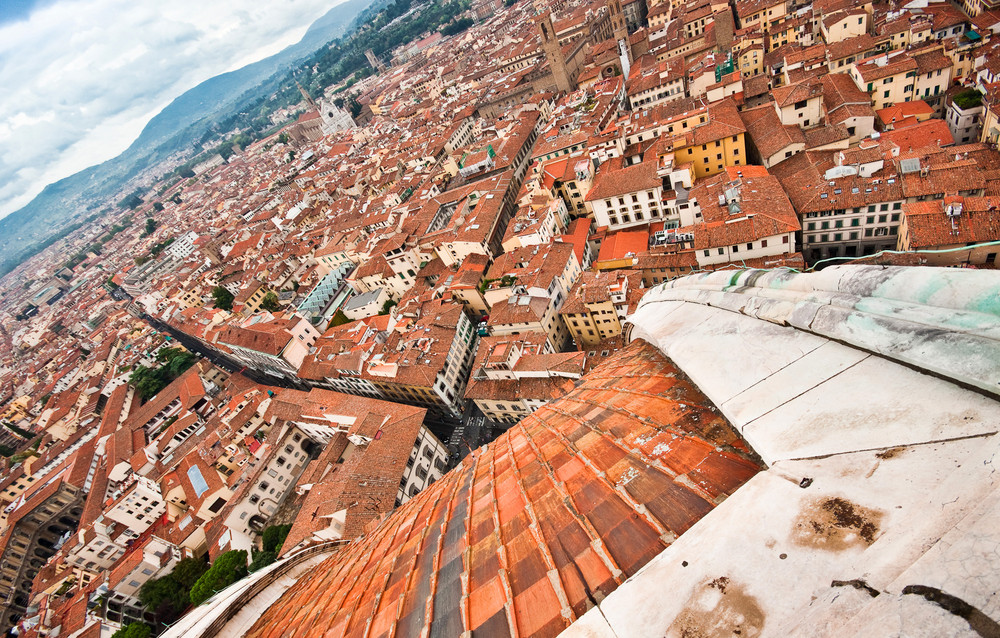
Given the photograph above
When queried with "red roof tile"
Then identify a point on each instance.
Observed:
(524, 536)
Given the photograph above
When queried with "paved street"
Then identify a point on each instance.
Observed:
(474, 431)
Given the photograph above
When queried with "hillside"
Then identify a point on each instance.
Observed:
(175, 133)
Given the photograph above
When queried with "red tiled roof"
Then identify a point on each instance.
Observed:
(928, 133)
(577, 234)
(929, 227)
(531, 530)
(902, 110)
(622, 243)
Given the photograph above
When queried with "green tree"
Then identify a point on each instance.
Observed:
(188, 571)
(185, 172)
(157, 206)
(24, 434)
(133, 630)
(173, 363)
(274, 536)
(457, 26)
(270, 302)
(150, 226)
(387, 306)
(261, 560)
(169, 596)
(158, 247)
(339, 319)
(146, 381)
(132, 202)
(165, 597)
(223, 298)
(227, 569)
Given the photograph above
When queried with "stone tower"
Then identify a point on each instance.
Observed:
(374, 60)
(553, 52)
(620, 32)
(311, 103)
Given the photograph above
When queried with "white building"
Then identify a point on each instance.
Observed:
(269, 487)
(427, 463)
(366, 304)
(965, 124)
(138, 505)
(637, 191)
(182, 246)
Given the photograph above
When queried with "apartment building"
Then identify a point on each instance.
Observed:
(741, 217)
(276, 347)
(598, 304)
(949, 224)
(513, 377)
(902, 76)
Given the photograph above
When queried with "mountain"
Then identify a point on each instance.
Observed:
(176, 129)
(218, 94)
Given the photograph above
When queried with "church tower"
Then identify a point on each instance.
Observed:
(374, 60)
(308, 98)
(553, 52)
(620, 32)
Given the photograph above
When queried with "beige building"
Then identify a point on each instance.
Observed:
(512, 378)
(138, 501)
(538, 271)
(800, 104)
(902, 76)
(276, 347)
(844, 24)
(762, 13)
(523, 314)
(888, 78)
(626, 194)
(599, 303)
(281, 458)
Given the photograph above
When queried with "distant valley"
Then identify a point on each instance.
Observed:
(170, 137)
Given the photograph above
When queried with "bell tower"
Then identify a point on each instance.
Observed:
(620, 32)
(553, 52)
(308, 98)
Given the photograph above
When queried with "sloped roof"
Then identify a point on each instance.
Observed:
(883, 477)
(531, 530)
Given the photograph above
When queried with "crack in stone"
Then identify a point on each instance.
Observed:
(858, 584)
(978, 621)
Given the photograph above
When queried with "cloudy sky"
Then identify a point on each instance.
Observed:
(80, 78)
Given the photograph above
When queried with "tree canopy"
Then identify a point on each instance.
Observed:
(169, 596)
(272, 539)
(133, 201)
(173, 363)
(133, 630)
(274, 536)
(339, 319)
(223, 298)
(270, 302)
(457, 26)
(226, 570)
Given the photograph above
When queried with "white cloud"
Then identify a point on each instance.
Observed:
(81, 78)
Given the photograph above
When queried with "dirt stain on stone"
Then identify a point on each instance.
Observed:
(720, 608)
(890, 453)
(836, 524)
